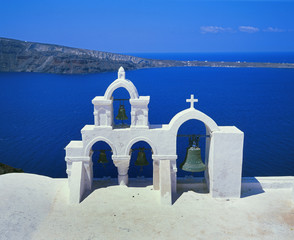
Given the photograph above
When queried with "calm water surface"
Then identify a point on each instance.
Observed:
(42, 113)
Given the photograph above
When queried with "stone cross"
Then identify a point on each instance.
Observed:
(192, 100)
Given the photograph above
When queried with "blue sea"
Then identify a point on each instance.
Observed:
(42, 113)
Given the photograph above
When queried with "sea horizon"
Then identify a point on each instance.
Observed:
(272, 57)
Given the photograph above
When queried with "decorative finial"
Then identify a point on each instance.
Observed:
(121, 73)
(192, 100)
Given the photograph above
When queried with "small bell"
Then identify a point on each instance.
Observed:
(141, 159)
(121, 113)
(102, 157)
(193, 161)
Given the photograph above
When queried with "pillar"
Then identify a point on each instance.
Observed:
(139, 112)
(122, 163)
(207, 149)
(76, 184)
(80, 179)
(155, 174)
(79, 169)
(293, 193)
(173, 169)
(167, 178)
(173, 172)
(165, 182)
(103, 111)
(225, 162)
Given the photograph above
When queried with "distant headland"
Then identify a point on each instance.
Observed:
(23, 56)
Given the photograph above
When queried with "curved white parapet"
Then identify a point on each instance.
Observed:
(188, 114)
(144, 139)
(121, 82)
(98, 139)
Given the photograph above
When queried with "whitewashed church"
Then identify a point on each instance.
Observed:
(223, 151)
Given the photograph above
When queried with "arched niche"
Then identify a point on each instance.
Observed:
(106, 169)
(189, 127)
(121, 93)
(138, 171)
(209, 124)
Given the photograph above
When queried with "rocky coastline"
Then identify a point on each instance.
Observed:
(23, 56)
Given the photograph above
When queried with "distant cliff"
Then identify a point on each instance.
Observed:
(8, 169)
(22, 56)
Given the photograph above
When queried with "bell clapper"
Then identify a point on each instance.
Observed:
(140, 171)
(122, 120)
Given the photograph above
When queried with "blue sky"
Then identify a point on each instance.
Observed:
(129, 26)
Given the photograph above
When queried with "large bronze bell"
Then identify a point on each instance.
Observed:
(141, 159)
(102, 157)
(121, 113)
(193, 161)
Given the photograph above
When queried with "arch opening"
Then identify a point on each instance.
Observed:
(102, 170)
(121, 97)
(141, 172)
(191, 180)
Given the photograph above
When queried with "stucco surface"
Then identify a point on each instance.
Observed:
(223, 151)
(36, 207)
